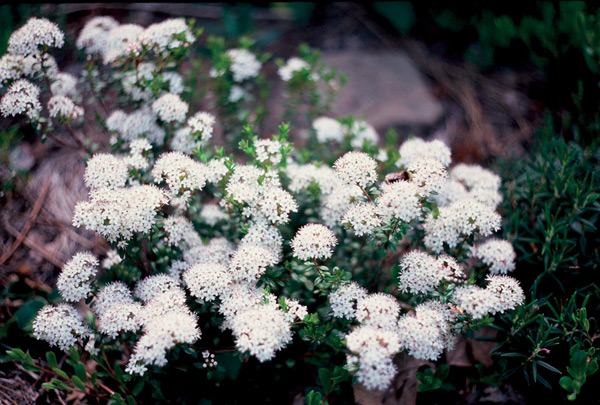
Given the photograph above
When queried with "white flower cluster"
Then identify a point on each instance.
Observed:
(60, 325)
(250, 262)
(362, 218)
(328, 129)
(268, 150)
(458, 221)
(94, 35)
(373, 350)
(170, 108)
(112, 259)
(262, 233)
(426, 333)
(167, 35)
(498, 254)
(416, 148)
(118, 213)
(429, 174)
(73, 281)
(293, 65)
(63, 107)
(471, 182)
(211, 214)
(343, 300)
(12, 67)
(314, 242)
(182, 174)
(502, 293)
(399, 200)
(207, 281)
(244, 64)
(22, 97)
(181, 231)
(217, 250)
(202, 124)
(36, 33)
(375, 342)
(116, 310)
(64, 85)
(361, 131)
(356, 168)
(422, 273)
(105, 170)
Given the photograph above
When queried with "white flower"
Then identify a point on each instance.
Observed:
(117, 214)
(261, 331)
(136, 83)
(314, 241)
(399, 200)
(243, 184)
(424, 334)
(207, 281)
(59, 325)
(152, 286)
(119, 41)
(461, 219)
(218, 250)
(112, 259)
(37, 32)
(293, 65)
(328, 129)
(216, 170)
(362, 218)
(22, 97)
(211, 214)
(262, 233)
(94, 36)
(73, 281)
(119, 318)
(181, 230)
(374, 350)
(161, 335)
(507, 291)
(335, 204)
(105, 170)
(295, 310)
(476, 301)
(170, 108)
(244, 64)
(202, 123)
(420, 273)
(429, 174)
(166, 35)
(12, 67)
(64, 85)
(276, 204)
(343, 300)
(237, 93)
(417, 148)
(116, 120)
(362, 131)
(110, 295)
(268, 150)
(498, 254)
(475, 177)
(239, 298)
(250, 262)
(64, 108)
(356, 168)
(379, 311)
(181, 173)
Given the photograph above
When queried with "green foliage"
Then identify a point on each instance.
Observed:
(432, 380)
(582, 366)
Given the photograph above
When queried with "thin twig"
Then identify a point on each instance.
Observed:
(34, 213)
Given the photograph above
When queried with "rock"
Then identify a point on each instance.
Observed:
(384, 87)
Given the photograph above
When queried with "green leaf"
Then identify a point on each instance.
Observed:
(28, 311)
(49, 386)
(60, 372)
(80, 372)
(51, 359)
(549, 367)
(325, 379)
(78, 383)
(74, 354)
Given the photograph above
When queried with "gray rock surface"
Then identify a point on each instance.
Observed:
(384, 87)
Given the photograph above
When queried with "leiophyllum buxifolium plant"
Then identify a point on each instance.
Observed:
(215, 254)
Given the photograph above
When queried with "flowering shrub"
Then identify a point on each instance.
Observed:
(220, 257)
